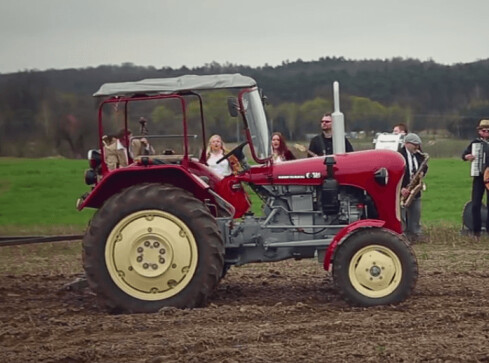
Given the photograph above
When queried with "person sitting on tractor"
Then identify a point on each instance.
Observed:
(215, 151)
(115, 153)
(280, 151)
(141, 147)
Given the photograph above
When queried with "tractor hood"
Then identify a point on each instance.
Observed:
(356, 168)
(377, 172)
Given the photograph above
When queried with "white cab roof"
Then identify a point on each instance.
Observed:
(176, 84)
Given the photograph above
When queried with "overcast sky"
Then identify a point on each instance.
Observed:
(60, 34)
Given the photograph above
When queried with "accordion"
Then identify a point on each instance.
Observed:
(478, 164)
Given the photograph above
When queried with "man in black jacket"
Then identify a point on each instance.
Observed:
(322, 144)
(478, 186)
(411, 215)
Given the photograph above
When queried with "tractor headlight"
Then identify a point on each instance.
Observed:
(90, 176)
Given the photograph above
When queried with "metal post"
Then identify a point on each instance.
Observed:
(338, 122)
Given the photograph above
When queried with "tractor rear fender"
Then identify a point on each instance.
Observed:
(122, 178)
(342, 234)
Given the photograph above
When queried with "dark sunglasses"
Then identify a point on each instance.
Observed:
(485, 130)
(326, 121)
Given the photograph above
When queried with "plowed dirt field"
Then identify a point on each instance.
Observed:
(281, 312)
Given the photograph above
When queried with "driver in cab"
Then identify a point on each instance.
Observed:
(215, 152)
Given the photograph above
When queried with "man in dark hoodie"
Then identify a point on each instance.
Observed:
(322, 144)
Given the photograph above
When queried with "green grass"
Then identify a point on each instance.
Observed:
(38, 195)
(449, 186)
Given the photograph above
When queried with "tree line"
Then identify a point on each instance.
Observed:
(53, 113)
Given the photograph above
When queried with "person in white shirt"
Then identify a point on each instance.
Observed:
(215, 151)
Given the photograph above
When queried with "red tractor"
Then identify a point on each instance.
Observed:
(168, 227)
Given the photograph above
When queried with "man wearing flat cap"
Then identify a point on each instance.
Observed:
(411, 214)
(476, 152)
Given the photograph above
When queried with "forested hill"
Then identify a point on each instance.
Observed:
(375, 94)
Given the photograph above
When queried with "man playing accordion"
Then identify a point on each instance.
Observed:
(476, 152)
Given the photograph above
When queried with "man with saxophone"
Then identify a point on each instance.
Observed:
(476, 153)
(412, 184)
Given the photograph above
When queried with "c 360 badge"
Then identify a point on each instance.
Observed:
(310, 175)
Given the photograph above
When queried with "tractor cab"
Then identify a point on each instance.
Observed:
(162, 122)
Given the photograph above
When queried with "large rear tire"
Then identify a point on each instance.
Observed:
(374, 266)
(152, 246)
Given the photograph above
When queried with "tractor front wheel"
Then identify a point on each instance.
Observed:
(374, 266)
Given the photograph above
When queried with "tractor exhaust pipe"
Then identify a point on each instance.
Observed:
(338, 122)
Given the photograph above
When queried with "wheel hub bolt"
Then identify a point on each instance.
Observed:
(156, 244)
(162, 251)
(145, 265)
(140, 249)
(375, 271)
(147, 244)
(140, 259)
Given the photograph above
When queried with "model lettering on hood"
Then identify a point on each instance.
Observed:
(310, 175)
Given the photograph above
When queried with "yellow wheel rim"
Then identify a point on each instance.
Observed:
(375, 271)
(151, 255)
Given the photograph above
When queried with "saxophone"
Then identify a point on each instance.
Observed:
(416, 183)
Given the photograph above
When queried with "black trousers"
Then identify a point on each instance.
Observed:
(478, 189)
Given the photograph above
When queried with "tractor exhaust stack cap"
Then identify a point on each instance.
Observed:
(338, 122)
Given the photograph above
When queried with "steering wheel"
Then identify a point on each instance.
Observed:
(234, 151)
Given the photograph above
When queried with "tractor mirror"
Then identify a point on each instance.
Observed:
(233, 106)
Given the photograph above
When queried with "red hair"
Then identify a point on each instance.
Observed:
(282, 147)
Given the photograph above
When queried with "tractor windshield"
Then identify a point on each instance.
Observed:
(257, 123)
